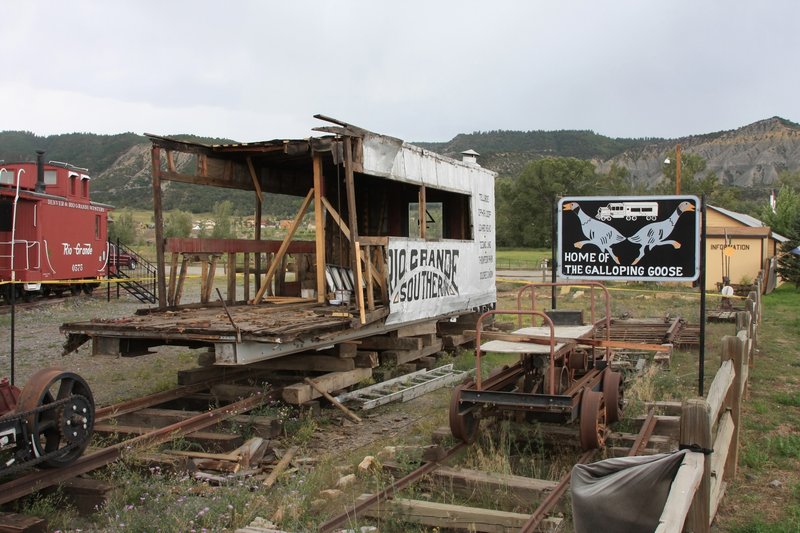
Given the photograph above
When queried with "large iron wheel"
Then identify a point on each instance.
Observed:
(592, 420)
(613, 391)
(463, 424)
(63, 431)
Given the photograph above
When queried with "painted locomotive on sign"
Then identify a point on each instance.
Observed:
(53, 238)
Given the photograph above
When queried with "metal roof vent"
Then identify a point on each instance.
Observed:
(470, 157)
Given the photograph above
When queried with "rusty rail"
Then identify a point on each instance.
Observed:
(388, 492)
(25, 485)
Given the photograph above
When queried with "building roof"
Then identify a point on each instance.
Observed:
(748, 221)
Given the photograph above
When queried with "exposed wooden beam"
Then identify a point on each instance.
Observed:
(336, 217)
(423, 227)
(319, 218)
(355, 256)
(284, 246)
(254, 177)
(158, 218)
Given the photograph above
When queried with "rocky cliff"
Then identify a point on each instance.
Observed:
(751, 156)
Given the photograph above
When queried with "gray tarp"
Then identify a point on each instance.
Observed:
(622, 495)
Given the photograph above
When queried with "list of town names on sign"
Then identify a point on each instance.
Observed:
(485, 236)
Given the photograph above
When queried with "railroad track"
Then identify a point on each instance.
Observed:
(32, 482)
(536, 518)
(35, 481)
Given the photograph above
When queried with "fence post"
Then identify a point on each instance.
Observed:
(733, 348)
(696, 430)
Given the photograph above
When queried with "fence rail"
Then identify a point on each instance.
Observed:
(710, 427)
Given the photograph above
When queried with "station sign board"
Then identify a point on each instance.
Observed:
(630, 238)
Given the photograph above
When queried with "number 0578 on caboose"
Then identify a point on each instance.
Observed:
(53, 238)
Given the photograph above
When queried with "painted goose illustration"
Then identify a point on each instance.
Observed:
(657, 233)
(596, 232)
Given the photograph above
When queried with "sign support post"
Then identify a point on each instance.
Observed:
(702, 286)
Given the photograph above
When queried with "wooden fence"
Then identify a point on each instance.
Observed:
(710, 426)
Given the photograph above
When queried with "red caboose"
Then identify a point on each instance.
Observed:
(52, 236)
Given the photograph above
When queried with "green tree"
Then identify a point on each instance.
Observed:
(783, 219)
(178, 224)
(692, 166)
(122, 227)
(788, 261)
(616, 182)
(525, 205)
(787, 178)
(223, 220)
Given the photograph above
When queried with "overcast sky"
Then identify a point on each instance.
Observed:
(421, 71)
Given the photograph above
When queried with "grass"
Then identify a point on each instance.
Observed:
(520, 258)
(770, 438)
(770, 443)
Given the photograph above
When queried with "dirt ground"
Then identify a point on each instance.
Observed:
(38, 344)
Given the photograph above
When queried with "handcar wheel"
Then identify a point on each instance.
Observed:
(463, 424)
(613, 391)
(592, 420)
(52, 430)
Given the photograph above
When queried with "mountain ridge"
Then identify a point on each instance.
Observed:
(751, 156)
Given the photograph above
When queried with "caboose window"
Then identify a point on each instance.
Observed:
(6, 214)
(7, 177)
(85, 188)
(72, 185)
(50, 177)
(97, 226)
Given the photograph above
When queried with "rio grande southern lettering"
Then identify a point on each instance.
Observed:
(419, 274)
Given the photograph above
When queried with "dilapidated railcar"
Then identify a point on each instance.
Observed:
(403, 236)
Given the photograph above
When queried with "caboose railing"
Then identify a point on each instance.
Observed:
(32, 252)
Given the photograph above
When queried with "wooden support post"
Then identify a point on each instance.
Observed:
(205, 295)
(359, 283)
(254, 177)
(350, 414)
(423, 218)
(231, 296)
(173, 278)
(355, 256)
(319, 221)
(277, 261)
(336, 218)
(368, 264)
(696, 430)
(257, 238)
(733, 349)
(246, 273)
(158, 218)
(382, 275)
(181, 280)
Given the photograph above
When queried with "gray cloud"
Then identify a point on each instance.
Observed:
(253, 70)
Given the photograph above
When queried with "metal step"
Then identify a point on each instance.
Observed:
(404, 388)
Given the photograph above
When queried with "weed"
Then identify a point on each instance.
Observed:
(301, 429)
(754, 457)
(60, 514)
(785, 445)
(785, 398)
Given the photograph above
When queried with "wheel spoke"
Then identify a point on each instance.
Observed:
(65, 389)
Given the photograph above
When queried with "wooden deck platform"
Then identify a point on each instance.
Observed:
(239, 334)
